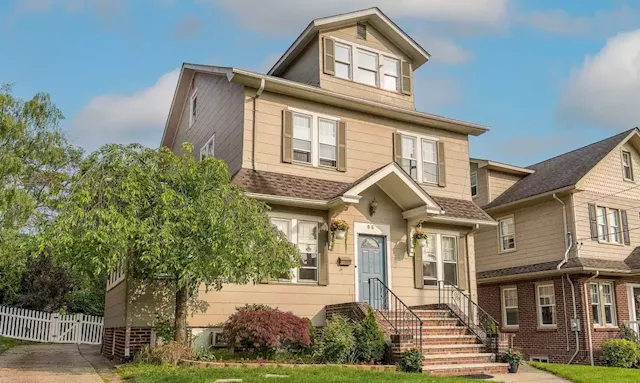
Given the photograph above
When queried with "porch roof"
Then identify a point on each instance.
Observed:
(318, 193)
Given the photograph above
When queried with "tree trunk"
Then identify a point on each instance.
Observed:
(180, 324)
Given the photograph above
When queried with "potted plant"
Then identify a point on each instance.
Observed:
(339, 228)
(491, 328)
(514, 358)
(420, 238)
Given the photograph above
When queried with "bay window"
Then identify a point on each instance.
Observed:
(602, 303)
(440, 259)
(305, 235)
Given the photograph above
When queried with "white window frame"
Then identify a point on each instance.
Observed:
(501, 236)
(609, 238)
(380, 73)
(315, 136)
(419, 162)
(601, 304)
(348, 46)
(357, 67)
(505, 307)
(473, 182)
(440, 258)
(627, 154)
(293, 237)
(204, 148)
(539, 306)
(193, 113)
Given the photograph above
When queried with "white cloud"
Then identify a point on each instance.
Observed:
(126, 118)
(604, 91)
(287, 16)
(445, 51)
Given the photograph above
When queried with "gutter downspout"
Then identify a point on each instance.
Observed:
(263, 83)
(588, 324)
(569, 246)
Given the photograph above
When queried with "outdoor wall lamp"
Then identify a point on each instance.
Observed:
(373, 206)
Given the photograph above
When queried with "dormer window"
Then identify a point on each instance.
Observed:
(391, 74)
(343, 61)
(367, 72)
(627, 167)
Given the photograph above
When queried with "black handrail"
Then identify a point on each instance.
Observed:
(478, 321)
(406, 324)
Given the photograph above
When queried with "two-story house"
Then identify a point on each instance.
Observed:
(560, 271)
(332, 132)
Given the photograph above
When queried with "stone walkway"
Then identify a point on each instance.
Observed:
(46, 363)
(528, 374)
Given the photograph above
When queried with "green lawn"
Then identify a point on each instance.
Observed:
(7, 343)
(590, 374)
(166, 374)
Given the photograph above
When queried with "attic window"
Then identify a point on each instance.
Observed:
(362, 31)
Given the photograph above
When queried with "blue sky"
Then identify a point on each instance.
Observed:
(545, 76)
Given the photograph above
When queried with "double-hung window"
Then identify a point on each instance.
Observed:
(509, 306)
(305, 235)
(315, 139)
(507, 234)
(343, 61)
(546, 299)
(473, 181)
(440, 259)
(609, 227)
(193, 107)
(602, 303)
(627, 167)
(367, 69)
(208, 150)
(420, 157)
(367, 66)
(391, 79)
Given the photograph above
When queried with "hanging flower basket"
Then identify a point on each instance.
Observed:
(420, 238)
(339, 230)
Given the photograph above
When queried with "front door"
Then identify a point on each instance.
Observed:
(371, 264)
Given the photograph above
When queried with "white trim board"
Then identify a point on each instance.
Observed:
(371, 229)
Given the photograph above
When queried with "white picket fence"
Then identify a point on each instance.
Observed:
(38, 326)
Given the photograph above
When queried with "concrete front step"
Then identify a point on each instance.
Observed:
(449, 339)
(466, 369)
(452, 348)
(468, 358)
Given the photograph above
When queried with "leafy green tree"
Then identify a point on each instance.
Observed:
(169, 216)
(36, 162)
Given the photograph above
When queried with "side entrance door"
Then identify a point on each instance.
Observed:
(372, 263)
(635, 308)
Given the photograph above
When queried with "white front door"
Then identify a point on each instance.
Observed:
(633, 291)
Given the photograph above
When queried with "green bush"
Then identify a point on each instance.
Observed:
(411, 361)
(337, 343)
(370, 343)
(620, 353)
(205, 355)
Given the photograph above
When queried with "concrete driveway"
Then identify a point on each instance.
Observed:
(46, 363)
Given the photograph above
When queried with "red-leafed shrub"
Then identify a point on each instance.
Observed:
(265, 331)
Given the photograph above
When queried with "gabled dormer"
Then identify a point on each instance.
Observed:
(361, 54)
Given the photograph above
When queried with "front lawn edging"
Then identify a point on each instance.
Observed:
(367, 367)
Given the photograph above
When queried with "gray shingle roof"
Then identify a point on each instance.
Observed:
(287, 185)
(559, 172)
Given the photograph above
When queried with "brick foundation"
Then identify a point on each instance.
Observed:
(355, 311)
(114, 342)
(553, 343)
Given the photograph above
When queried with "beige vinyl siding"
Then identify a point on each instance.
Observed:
(605, 185)
(482, 198)
(376, 41)
(539, 238)
(220, 110)
(115, 306)
(593, 248)
(306, 67)
(152, 301)
(499, 182)
(369, 144)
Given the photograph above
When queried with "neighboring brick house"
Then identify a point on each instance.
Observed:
(566, 248)
(332, 132)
